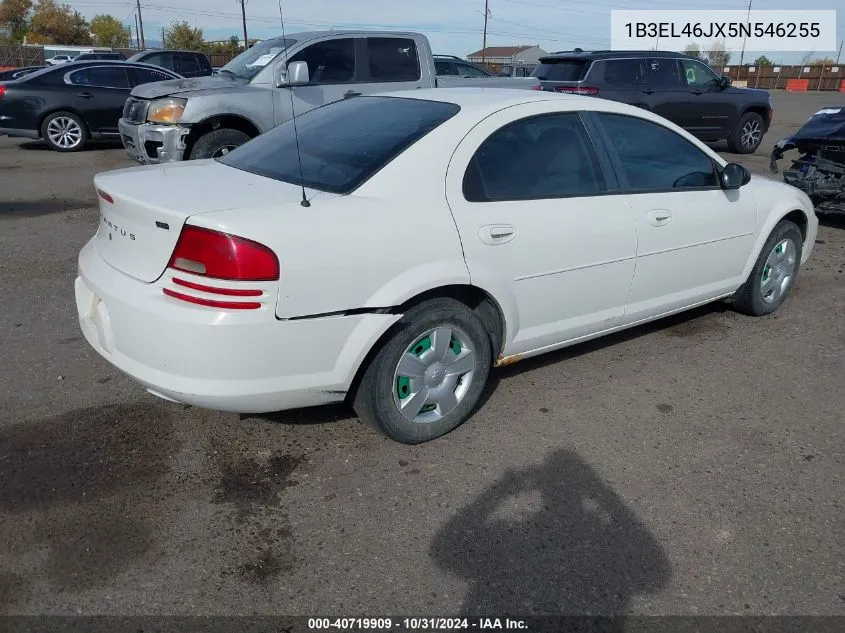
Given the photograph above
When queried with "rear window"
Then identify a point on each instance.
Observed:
(341, 144)
(561, 69)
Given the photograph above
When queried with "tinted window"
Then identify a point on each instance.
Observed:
(697, 75)
(445, 68)
(100, 77)
(655, 158)
(467, 70)
(560, 69)
(621, 72)
(341, 144)
(165, 60)
(205, 65)
(148, 75)
(393, 59)
(661, 73)
(548, 156)
(186, 63)
(331, 62)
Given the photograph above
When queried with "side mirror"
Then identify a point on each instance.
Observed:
(295, 74)
(724, 82)
(734, 176)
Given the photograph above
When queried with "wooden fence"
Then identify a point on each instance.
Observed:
(827, 77)
(17, 56)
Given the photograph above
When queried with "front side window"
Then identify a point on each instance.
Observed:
(330, 62)
(468, 70)
(393, 59)
(547, 156)
(341, 144)
(186, 63)
(165, 60)
(698, 75)
(654, 158)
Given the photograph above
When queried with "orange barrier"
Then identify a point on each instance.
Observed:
(842, 86)
(797, 85)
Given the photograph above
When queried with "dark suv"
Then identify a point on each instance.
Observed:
(678, 87)
(185, 63)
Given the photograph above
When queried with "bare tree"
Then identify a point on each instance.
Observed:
(807, 57)
(693, 50)
(717, 56)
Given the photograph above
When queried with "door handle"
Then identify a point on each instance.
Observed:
(496, 233)
(648, 91)
(351, 93)
(659, 217)
(698, 92)
(84, 95)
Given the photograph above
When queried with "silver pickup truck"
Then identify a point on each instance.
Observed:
(205, 117)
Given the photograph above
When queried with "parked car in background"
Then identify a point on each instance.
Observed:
(678, 87)
(16, 73)
(60, 59)
(264, 85)
(452, 66)
(68, 105)
(84, 57)
(517, 70)
(549, 220)
(184, 63)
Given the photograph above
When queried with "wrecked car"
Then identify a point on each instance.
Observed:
(819, 169)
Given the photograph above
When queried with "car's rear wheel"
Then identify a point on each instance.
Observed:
(217, 143)
(64, 132)
(774, 272)
(747, 135)
(428, 377)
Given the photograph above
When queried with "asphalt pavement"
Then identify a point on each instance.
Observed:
(693, 466)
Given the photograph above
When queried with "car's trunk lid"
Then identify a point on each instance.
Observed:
(143, 209)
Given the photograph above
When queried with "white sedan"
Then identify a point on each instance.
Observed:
(409, 242)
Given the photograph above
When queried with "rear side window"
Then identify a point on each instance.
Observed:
(445, 69)
(620, 72)
(165, 60)
(561, 69)
(148, 75)
(342, 144)
(468, 70)
(661, 73)
(548, 156)
(393, 59)
(100, 77)
(655, 158)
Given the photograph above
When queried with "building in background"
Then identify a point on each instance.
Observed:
(514, 61)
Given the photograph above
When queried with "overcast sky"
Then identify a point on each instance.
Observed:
(453, 26)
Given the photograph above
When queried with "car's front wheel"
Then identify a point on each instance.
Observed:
(428, 377)
(774, 272)
(64, 132)
(747, 135)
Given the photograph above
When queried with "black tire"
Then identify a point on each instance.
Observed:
(735, 140)
(374, 398)
(67, 116)
(213, 144)
(749, 298)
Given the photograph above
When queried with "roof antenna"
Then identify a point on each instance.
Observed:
(304, 201)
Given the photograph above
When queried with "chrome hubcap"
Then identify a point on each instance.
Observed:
(64, 132)
(434, 374)
(751, 134)
(778, 271)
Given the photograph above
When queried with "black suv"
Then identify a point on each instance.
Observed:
(678, 87)
(185, 63)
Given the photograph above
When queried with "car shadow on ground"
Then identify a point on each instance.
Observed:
(692, 320)
(831, 220)
(41, 146)
(550, 539)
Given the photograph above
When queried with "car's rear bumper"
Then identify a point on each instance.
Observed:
(151, 143)
(243, 361)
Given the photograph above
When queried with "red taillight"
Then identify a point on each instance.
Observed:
(577, 90)
(105, 196)
(228, 292)
(537, 87)
(212, 303)
(223, 256)
(2, 90)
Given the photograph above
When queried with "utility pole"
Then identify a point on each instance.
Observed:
(243, 17)
(140, 23)
(747, 21)
(484, 44)
(163, 45)
(840, 50)
(137, 33)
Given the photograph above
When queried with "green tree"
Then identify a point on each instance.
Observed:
(763, 61)
(692, 50)
(54, 23)
(14, 18)
(183, 35)
(823, 61)
(108, 31)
